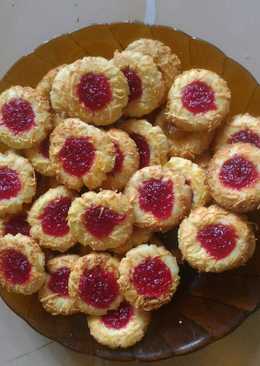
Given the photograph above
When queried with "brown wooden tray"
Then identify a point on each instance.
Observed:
(206, 306)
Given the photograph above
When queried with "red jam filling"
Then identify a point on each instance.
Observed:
(94, 91)
(152, 278)
(10, 184)
(238, 172)
(134, 83)
(18, 115)
(218, 240)
(98, 287)
(198, 97)
(44, 148)
(77, 155)
(119, 318)
(58, 282)
(54, 217)
(119, 159)
(143, 149)
(156, 196)
(100, 220)
(17, 225)
(15, 266)
(245, 136)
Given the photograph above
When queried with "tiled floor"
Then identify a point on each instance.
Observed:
(233, 25)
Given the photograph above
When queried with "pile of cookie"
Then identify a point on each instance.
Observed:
(101, 156)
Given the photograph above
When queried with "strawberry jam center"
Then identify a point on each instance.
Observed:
(238, 173)
(44, 148)
(18, 115)
(119, 159)
(77, 156)
(54, 217)
(94, 91)
(58, 282)
(198, 97)
(17, 225)
(100, 220)
(134, 83)
(218, 240)
(245, 136)
(15, 266)
(98, 287)
(119, 318)
(143, 149)
(156, 196)
(10, 184)
(152, 277)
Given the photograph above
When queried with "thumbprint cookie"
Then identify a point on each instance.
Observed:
(181, 143)
(150, 140)
(126, 160)
(21, 264)
(48, 218)
(148, 276)
(214, 240)
(92, 89)
(167, 62)
(17, 183)
(102, 220)
(45, 85)
(82, 154)
(198, 100)
(241, 128)
(93, 283)
(14, 224)
(54, 295)
(25, 117)
(122, 327)
(145, 82)
(195, 176)
(233, 177)
(139, 236)
(40, 159)
(160, 198)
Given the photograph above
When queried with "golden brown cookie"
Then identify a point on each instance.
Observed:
(148, 276)
(160, 198)
(145, 82)
(93, 283)
(54, 295)
(45, 84)
(17, 183)
(92, 89)
(241, 128)
(150, 140)
(233, 177)
(214, 240)
(82, 154)
(195, 176)
(21, 264)
(101, 220)
(48, 218)
(25, 117)
(139, 236)
(126, 160)
(122, 327)
(181, 143)
(198, 100)
(40, 159)
(167, 62)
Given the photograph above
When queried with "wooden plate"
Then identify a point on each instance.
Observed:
(207, 306)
